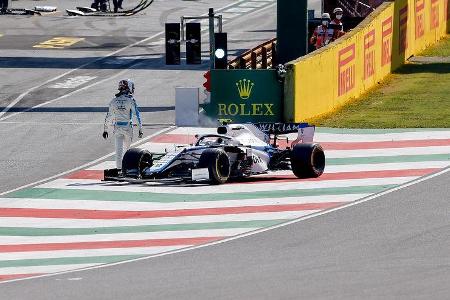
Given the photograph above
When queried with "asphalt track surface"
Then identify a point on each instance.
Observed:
(392, 247)
(48, 126)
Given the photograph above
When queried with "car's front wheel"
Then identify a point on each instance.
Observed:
(218, 164)
(307, 160)
(135, 161)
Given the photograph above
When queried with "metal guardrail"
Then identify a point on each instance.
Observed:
(260, 57)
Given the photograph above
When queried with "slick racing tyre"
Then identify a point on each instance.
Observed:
(307, 160)
(135, 161)
(218, 164)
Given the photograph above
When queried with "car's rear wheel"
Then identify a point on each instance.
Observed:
(135, 161)
(307, 160)
(218, 164)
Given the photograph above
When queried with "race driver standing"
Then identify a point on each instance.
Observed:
(120, 114)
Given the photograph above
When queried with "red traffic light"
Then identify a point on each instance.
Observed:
(207, 84)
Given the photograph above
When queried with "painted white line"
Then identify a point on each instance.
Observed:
(239, 10)
(26, 240)
(43, 269)
(72, 82)
(110, 164)
(21, 96)
(141, 206)
(388, 152)
(54, 123)
(80, 223)
(69, 94)
(252, 4)
(95, 185)
(374, 167)
(387, 166)
(254, 12)
(87, 253)
(300, 219)
(229, 15)
(382, 137)
(137, 143)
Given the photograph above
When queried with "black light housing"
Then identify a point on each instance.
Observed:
(173, 51)
(220, 50)
(193, 44)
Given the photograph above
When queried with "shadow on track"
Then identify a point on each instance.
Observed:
(154, 61)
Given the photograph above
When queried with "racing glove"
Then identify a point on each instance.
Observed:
(105, 135)
(141, 134)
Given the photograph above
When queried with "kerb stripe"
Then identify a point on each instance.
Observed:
(93, 174)
(114, 214)
(107, 244)
(17, 276)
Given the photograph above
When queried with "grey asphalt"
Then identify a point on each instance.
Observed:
(392, 247)
(64, 133)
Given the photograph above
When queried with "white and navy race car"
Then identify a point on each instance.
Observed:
(236, 151)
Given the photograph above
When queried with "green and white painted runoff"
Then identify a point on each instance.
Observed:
(78, 221)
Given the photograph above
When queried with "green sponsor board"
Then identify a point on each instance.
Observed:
(245, 96)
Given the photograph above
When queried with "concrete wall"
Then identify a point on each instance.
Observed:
(326, 79)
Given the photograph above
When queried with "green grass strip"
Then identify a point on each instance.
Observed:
(30, 231)
(441, 49)
(416, 95)
(66, 261)
(72, 194)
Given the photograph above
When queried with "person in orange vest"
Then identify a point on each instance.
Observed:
(336, 24)
(322, 35)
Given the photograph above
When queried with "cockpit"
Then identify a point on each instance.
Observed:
(216, 140)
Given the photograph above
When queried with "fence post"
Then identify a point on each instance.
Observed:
(253, 60)
(264, 58)
(242, 63)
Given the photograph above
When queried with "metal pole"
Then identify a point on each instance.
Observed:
(211, 38)
(182, 28)
(220, 23)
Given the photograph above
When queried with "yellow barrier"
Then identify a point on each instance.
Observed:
(326, 79)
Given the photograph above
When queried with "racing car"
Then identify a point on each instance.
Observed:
(235, 151)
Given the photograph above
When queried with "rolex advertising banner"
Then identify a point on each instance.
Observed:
(241, 96)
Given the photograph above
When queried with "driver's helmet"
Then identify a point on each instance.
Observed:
(126, 85)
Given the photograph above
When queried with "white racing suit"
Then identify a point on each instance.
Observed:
(120, 114)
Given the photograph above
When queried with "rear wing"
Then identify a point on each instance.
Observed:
(305, 131)
(265, 132)
(281, 128)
